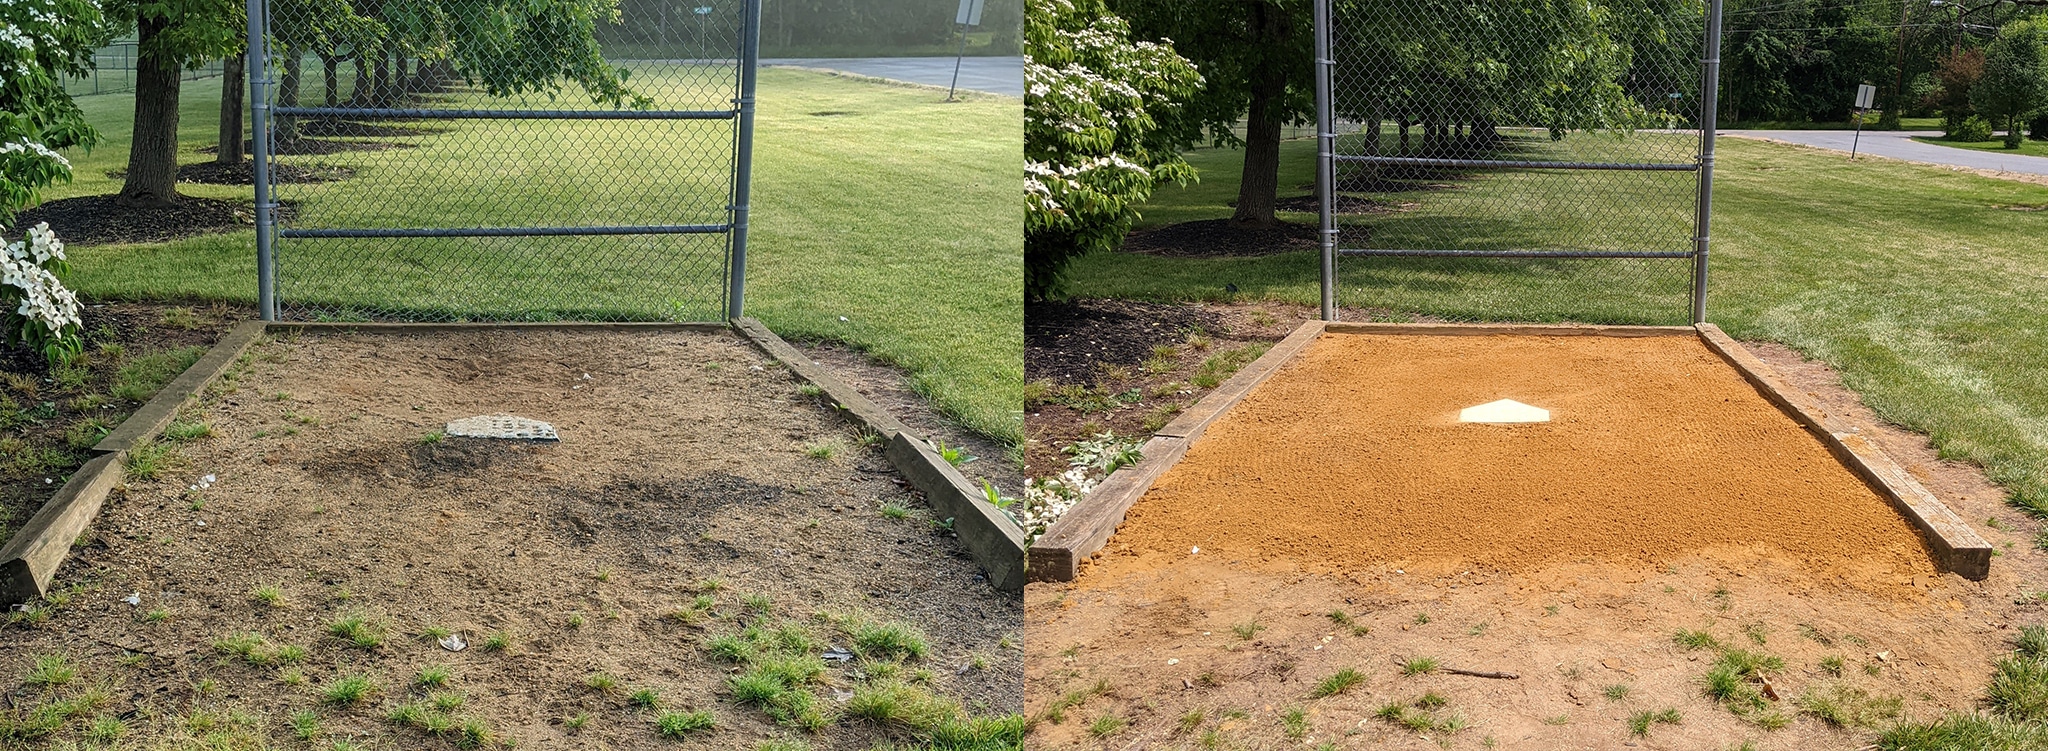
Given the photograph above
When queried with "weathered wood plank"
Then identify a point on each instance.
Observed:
(31, 557)
(160, 410)
(1198, 417)
(852, 404)
(1084, 529)
(995, 542)
(1959, 547)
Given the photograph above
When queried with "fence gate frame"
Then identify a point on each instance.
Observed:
(735, 228)
(1327, 158)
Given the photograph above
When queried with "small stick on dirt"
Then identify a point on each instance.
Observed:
(1480, 673)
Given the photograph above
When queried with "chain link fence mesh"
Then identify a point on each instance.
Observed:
(503, 159)
(1528, 160)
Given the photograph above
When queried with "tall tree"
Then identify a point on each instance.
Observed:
(171, 35)
(2015, 81)
(1257, 68)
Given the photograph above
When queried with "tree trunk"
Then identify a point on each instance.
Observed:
(1258, 188)
(359, 94)
(288, 86)
(152, 180)
(380, 91)
(233, 76)
(330, 78)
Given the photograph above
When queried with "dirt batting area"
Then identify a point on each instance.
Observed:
(1670, 562)
(707, 558)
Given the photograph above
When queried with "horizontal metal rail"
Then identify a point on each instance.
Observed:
(655, 229)
(367, 113)
(1415, 161)
(1515, 253)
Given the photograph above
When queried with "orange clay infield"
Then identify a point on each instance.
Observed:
(1352, 455)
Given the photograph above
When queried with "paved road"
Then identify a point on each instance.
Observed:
(995, 75)
(1899, 144)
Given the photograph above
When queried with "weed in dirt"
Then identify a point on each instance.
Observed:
(185, 431)
(894, 509)
(1421, 619)
(358, 631)
(1695, 639)
(1563, 719)
(291, 677)
(1617, 692)
(1640, 722)
(270, 595)
(157, 615)
(894, 703)
(575, 620)
(1757, 632)
(758, 603)
(602, 683)
(1295, 723)
(1845, 706)
(2019, 688)
(1432, 700)
(51, 671)
(1222, 365)
(1815, 635)
(823, 451)
(433, 676)
(1247, 630)
(712, 584)
(1723, 599)
(349, 691)
(2033, 642)
(141, 377)
(1337, 683)
(893, 640)
(432, 437)
(783, 744)
(1478, 629)
(1420, 666)
(953, 455)
(1832, 665)
(1106, 726)
(434, 633)
(577, 722)
(149, 460)
(1189, 721)
(305, 724)
(1873, 669)
(646, 697)
(497, 641)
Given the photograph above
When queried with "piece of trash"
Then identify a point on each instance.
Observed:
(47, 481)
(575, 387)
(1399, 571)
(756, 367)
(19, 607)
(586, 376)
(133, 599)
(842, 318)
(501, 427)
(1173, 661)
(207, 480)
(836, 654)
(841, 696)
(1885, 656)
(1194, 550)
(200, 522)
(454, 643)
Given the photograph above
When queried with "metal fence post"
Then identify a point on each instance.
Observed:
(1710, 84)
(1326, 148)
(259, 155)
(743, 165)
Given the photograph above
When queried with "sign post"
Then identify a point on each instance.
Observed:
(1866, 95)
(969, 15)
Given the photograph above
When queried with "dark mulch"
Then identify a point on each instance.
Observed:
(1345, 204)
(324, 128)
(100, 220)
(1064, 341)
(1222, 237)
(214, 173)
(317, 147)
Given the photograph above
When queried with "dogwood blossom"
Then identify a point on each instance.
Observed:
(46, 313)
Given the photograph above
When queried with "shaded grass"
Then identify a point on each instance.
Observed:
(1917, 284)
(901, 218)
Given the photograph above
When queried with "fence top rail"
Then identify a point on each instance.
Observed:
(1519, 163)
(386, 113)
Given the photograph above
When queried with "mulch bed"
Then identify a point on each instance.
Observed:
(352, 129)
(214, 173)
(316, 147)
(100, 220)
(1064, 341)
(1222, 237)
(1345, 204)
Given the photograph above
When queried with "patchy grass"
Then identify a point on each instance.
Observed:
(1337, 683)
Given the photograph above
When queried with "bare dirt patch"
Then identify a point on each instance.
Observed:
(1228, 649)
(695, 494)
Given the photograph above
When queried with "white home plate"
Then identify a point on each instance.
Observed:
(503, 427)
(1504, 411)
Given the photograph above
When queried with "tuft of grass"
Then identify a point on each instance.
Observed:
(1339, 682)
(1832, 665)
(1247, 630)
(305, 724)
(1958, 731)
(1640, 722)
(1106, 726)
(897, 703)
(149, 460)
(679, 725)
(1695, 639)
(1295, 723)
(358, 631)
(2019, 688)
(50, 671)
(270, 595)
(497, 641)
(433, 676)
(349, 691)
(1617, 692)
(892, 640)
(1420, 666)
(1845, 706)
(185, 431)
(646, 697)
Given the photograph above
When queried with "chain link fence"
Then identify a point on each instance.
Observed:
(113, 72)
(502, 159)
(1526, 160)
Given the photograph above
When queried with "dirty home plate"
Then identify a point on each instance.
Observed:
(505, 427)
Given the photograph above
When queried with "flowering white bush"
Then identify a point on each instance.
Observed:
(1092, 146)
(43, 313)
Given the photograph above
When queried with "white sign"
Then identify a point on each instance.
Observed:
(1866, 94)
(970, 13)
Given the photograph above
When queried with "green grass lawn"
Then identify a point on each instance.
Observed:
(897, 214)
(1922, 286)
(2029, 147)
